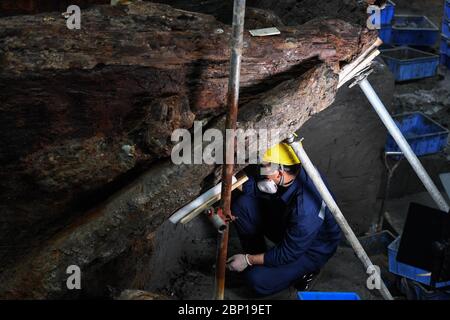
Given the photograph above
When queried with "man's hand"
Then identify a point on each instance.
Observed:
(238, 263)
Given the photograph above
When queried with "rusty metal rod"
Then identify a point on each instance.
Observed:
(222, 248)
(230, 128)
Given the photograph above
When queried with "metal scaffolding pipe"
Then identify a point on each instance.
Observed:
(403, 144)
(337, 213)
(198, 202)
(232, 103)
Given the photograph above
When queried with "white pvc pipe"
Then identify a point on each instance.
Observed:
(184, 211)
(337, 213)
(403, 144)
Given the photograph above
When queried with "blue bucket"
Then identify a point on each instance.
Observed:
(327, 296)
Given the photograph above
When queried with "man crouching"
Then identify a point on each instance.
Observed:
(282, 205)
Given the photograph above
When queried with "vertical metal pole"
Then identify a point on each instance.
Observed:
(232, 103)
(337, 213)
(403, 144)
(222, 250)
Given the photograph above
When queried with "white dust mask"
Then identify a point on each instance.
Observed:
(267, 186)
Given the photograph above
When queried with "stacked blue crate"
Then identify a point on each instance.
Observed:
(414, 30)
(445, 37)
(444, 51)
(446, 19)
(387, 14)
(408, 271)
(445, 45)
(424, 135)
(417, 31)
(410, 64)
(446, 26)
(407, 63)
(447, 9)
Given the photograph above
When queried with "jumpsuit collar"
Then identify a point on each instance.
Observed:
(291, 190)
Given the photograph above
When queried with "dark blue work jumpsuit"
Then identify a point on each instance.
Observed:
(296, 220)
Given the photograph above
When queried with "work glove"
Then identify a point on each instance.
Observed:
(238, 263)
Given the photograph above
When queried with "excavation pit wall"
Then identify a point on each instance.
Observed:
(344, 141)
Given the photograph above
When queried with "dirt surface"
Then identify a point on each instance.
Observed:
(183, 268)
(345, 273)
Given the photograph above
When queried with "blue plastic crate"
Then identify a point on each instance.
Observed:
(408, 271)
(387, 14)
(310, 295)
(445, 45)
(410, 64)
(385, 33)
(447, 9)
(424, 135)
(413, 30)
(444, 60)
(446, 27)
(416, 291)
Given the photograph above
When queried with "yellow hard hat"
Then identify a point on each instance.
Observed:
(281, 153)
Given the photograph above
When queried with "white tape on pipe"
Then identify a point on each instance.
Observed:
(181, 213)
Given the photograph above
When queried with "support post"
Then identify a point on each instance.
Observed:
(230, 128)
(409, 154)
(337, 213)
